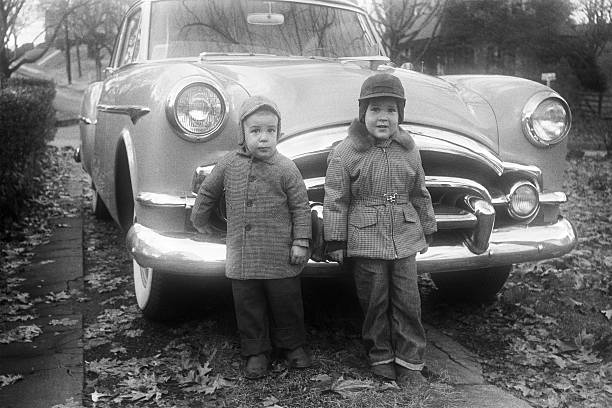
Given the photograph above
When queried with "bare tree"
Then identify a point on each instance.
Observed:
(596, 16)
(593, 34)
(401, 21)
(10, 11)
(97, 26)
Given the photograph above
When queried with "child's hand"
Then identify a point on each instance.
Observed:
(299, 255)
(337, 255)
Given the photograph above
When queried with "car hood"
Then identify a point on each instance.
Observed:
(314, 93)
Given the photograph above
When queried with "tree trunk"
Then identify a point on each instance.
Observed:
(78, 56)
(5, 72)
(67, 43)
(98, 59)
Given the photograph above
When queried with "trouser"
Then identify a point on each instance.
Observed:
(389, 296)
(269, 312)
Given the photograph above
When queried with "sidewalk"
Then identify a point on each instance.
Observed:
(52, 364)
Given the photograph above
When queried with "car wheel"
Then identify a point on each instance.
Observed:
(476, 285)
(149, 288)
(98, 207)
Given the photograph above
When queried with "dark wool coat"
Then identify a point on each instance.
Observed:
(356, 211)
(267, 211)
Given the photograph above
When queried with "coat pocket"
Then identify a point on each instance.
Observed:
(410, 214)
(362, 224)
(365, 218)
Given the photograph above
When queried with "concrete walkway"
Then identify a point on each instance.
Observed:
(52, 364)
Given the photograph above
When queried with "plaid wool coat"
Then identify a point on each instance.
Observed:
(362, 179)
(267, 212)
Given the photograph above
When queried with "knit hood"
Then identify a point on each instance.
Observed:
(254, 104)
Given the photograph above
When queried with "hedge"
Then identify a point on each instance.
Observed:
(27, 124)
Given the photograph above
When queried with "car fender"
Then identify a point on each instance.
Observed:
(508, 96)
(87, 123)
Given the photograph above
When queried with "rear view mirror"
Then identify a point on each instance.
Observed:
(265, 19)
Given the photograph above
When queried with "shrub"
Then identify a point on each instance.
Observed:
(27, 124)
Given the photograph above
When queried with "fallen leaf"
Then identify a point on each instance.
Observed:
(20, 334)
(8, 379)
(270, 401)
(607, 313)
(350, 388)
(95, 396)
(584, 339)
(63, 322)
(321, 378)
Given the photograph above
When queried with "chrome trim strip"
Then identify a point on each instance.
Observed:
(87, 121)
(456, 221)
(168, 200)
(161, 200)
(457, 183)
(449, 142)
(551, 198)
(186, 253)
(430, 181)
(135, 112)
(555, 197)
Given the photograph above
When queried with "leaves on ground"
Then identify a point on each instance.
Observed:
(8, 379)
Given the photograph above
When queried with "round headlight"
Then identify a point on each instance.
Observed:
(523, 201)
(546, 120)
(196, 110)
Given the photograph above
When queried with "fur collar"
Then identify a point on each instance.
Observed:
(362, 141)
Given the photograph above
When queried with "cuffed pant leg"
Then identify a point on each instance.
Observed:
(286, 312)
(407, 329)
(251, 316)
(372, 286)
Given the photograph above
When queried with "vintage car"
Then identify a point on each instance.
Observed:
(493, 147)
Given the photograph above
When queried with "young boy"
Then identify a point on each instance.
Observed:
(378, 212)
(268, 233)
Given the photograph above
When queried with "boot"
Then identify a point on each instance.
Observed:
(407, 378)
(299, 358)
(256, 367)
(385, 372)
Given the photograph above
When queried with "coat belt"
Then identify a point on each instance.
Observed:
(383, 199)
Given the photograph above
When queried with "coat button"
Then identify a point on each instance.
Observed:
(247, 227)
(251, 178)
(249, 203)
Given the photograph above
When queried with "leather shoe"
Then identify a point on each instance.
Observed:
(299, 358)
(384, 371)
(409, 378)
(256, 367)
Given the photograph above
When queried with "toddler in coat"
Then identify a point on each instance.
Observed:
(378, 212)
(268, 234)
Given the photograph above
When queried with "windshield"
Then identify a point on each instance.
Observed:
(189, 27)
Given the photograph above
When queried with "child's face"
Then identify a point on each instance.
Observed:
(260, 131)
(381, 117)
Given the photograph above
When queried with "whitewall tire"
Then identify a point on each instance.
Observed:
(149, 295)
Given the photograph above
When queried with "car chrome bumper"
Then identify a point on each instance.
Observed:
(187, 253)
